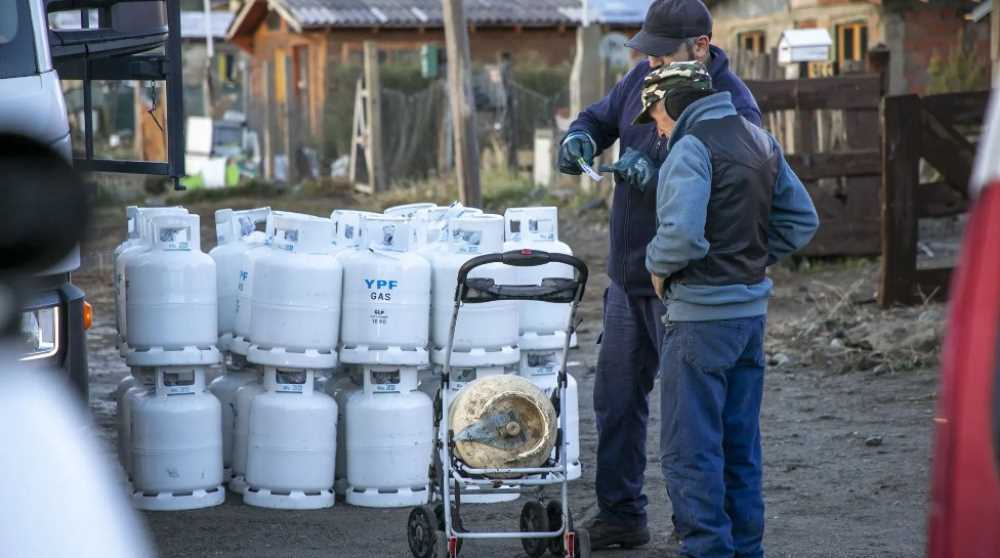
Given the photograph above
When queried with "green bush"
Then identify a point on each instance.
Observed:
(961, 70)
(541, 77)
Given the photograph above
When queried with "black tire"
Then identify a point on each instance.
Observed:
(557, 546)
(582, 543)
(422, 532)
(456, 521)
(534, 518)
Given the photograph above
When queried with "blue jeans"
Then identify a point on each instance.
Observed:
(627, 367)
(712, 384)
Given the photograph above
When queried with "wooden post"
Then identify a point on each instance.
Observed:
(510, 130)
(267, 107)
(463, 106)
(878, 63)
(995, 41)
(293, 136)
(901, 125)
(584, 79)
(373, 112)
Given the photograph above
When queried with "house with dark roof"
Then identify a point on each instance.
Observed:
(916, 33)
(300, 42)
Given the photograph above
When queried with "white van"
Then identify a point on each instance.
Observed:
(32, 105)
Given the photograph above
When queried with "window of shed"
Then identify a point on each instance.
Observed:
(852, 42)
(752, 41)
(273, 21)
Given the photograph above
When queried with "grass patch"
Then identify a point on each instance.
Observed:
(252, 189)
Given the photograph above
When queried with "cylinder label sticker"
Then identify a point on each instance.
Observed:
(542, 364)
(386, 381)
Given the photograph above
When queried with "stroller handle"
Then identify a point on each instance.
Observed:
(552, 290)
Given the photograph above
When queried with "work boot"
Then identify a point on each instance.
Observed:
(606, 535)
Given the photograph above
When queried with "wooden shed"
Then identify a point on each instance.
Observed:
(294, 45)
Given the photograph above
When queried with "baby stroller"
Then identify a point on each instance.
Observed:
(544, 524)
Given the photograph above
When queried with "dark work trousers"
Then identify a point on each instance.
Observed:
(627, 367)
(711, 390)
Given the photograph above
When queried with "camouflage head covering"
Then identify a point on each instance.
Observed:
(676, 75)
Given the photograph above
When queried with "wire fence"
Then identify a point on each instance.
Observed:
(417, 132)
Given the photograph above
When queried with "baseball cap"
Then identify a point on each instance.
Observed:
(664, 80)
(668, 23)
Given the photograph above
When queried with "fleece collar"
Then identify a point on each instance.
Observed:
(715, 106)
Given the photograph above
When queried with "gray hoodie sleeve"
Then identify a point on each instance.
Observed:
(793, 221)
(682, 194)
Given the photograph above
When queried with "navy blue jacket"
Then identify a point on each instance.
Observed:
(633, 214)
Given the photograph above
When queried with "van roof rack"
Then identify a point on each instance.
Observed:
(120, 51)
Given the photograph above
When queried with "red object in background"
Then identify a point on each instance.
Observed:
(965, 494)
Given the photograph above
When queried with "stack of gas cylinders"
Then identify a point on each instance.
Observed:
(169, 426)
(329, 336)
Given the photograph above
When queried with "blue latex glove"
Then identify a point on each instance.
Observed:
(633, 168)
(575, 146)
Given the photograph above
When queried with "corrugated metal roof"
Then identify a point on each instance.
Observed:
(421, 13)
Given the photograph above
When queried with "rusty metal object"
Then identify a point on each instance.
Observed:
(503, 421)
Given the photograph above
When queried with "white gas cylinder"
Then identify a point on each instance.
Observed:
(429, 380)
(171, 290)
(542, 324)
(295, 301)
(137, 383)
(237, 374)
(386, 297)
(542, 368)
(486, 334)
(240, 344)
(430, 225)
(138, 241)
(236, 232)
(177, 443)
(347, 227)
(389, 439)
(407, 210)
(347, 381)
(241, 431)
(292, 444)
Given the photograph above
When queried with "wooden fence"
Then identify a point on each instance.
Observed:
(842, 176)
(936, 129)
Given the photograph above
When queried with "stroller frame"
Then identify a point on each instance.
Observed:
(450, 477)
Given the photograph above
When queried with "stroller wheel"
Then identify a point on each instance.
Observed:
(554, 511)
(534, 518)
(582, 543)
(421, 532)
(456, 521)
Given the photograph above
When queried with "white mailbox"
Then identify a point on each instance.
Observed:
(804, 45)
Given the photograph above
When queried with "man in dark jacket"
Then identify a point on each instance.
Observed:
(629, 355)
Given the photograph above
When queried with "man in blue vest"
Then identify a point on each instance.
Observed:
(727, 206)
(628, 363)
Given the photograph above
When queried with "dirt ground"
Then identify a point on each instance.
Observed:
(847, 419)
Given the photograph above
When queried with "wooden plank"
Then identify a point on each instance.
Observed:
(861, 128)
(806, 139)
(844, 237)
(844, 92)
(813, 166)
(947, 151)
(900, 175)
(373, 110)
(962, 109)
(938, 200)
(463, 108)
